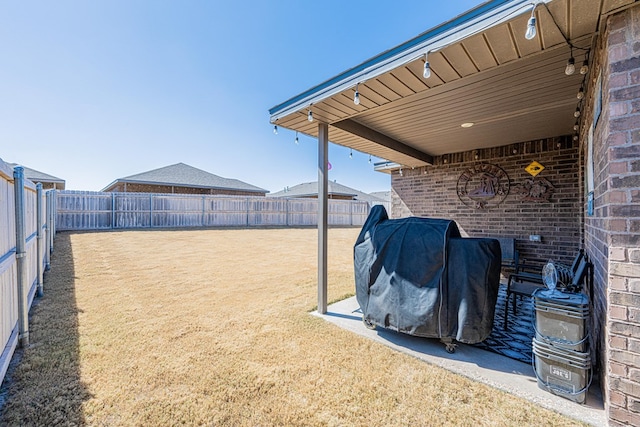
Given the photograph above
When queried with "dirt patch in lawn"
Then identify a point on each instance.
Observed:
(212, 328)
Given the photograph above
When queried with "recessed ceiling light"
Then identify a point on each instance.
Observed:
(467, 125)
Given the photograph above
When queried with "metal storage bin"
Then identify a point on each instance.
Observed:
(562, 372)
(561, 319)
(561, 359)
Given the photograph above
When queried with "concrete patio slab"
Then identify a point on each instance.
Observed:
(480, 365)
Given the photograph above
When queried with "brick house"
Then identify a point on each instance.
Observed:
(494, 95)
(335, 191)
(183, 179)
(49, 182)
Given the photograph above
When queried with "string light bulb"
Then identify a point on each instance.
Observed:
(369, 158)
(356, 96)
(576, 126)
(297, 141)
(580, 94)
(577, 113)
(585, 67)
(571, 65)
(400, 171)
(310, 115)
(351, 153)
(275, 129)
(427, 68)
(531, 26)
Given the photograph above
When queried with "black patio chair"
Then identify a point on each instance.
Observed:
(510, 256)
(524, 283)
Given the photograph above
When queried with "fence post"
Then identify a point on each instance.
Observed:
(23, 313)
(203, 209)
(113, 210)
(47, 254)
(247, 211)
(39, 238)
(54, 216)
(286, 209)
(151, 210)
(351, 212)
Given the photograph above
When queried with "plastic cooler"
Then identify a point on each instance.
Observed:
(561, 319)
(565, 373)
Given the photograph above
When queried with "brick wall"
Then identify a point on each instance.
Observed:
(431, 192)
(612, 234)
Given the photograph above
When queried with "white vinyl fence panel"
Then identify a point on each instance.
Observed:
(24, 250)
(81, 210)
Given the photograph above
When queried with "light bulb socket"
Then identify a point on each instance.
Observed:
(585, 67)
(427, 70)
(571, 66)
(531, 28)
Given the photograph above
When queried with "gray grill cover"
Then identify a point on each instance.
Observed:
(418, 276)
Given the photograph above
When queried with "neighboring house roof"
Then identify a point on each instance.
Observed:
(184, 175)
(37, 176)
(310, 189)
(384, 195)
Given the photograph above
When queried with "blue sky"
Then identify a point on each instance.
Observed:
(91, 91)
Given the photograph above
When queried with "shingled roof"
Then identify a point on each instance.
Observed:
(184, 175)
(310, 189)
(37, 176)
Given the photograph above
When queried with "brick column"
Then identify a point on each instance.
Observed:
(622, 220)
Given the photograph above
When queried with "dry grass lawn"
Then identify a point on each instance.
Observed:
(164, 328)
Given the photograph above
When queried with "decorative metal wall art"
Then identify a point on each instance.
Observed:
(483, 186)
(535, 189)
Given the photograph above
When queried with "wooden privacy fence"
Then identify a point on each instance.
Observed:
(82, 210)
(26, 241)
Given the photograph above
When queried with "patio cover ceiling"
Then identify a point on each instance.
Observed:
(484, 71)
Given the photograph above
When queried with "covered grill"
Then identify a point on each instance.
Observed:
(418, 276)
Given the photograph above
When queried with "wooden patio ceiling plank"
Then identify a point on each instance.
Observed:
(611, 5)
(410, 128)
(395, 84)
(584, 20)
(371, 94)
(480, 102)
(479, 95)
(533, 68)
(441, 66)
(517, 28)
(417, 68)
(415, 83)
(501, 45)
(479, 52)
(382, 89)
(460, 60)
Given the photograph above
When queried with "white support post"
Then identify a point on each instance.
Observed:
(39, 239)
(21, 243)
(323, 183)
